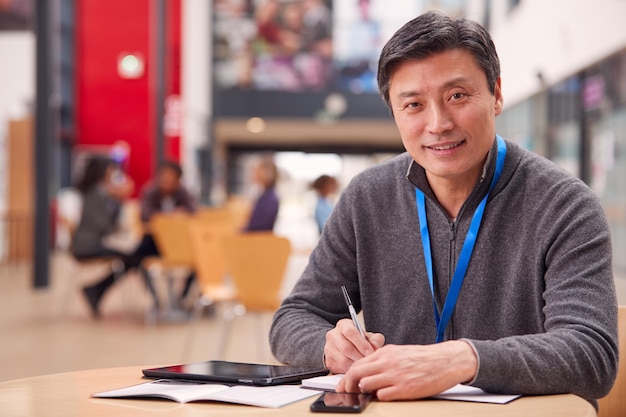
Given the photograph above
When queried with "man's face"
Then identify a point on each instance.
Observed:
(445, 114)
(168, 181)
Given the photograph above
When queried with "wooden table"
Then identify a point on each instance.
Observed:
(68, 395)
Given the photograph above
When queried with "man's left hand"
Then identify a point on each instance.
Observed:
(406, 372)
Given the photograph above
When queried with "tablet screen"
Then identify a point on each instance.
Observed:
(235, 372)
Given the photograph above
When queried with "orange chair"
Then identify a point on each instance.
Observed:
(235, 212)
(206, 233)
(171, 236)
(256, 263)
(240, 209)
(217, 215)
(208, 260)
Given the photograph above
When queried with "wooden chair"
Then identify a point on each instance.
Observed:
(206, 230)
(240, 209)
(235, 212)
(206, 234)
(218, 215)
(171, 236)
(614, 404)
(256, 263)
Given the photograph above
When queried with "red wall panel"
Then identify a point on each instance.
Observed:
(111, 108)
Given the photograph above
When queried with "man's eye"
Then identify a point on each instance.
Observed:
(457, 96)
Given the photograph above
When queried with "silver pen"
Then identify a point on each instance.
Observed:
(355, 319)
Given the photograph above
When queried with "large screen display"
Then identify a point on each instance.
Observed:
(268, 51)
(303, 45)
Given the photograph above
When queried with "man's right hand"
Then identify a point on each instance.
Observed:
(345, 345)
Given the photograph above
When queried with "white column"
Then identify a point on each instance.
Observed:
(196, 85)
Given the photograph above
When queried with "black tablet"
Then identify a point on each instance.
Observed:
(235, 373)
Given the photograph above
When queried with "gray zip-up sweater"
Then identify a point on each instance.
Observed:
(538, 302)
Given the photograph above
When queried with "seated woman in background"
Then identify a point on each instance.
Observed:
(103, 187)
(265, 210)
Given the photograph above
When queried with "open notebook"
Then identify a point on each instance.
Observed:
(187, 391)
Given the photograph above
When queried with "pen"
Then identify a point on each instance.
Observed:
(355, 319)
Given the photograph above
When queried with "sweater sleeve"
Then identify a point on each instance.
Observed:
(540, 308)
(316, 303)
(578, 351)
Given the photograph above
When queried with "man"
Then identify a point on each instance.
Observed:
(164, 195)
(524, 303)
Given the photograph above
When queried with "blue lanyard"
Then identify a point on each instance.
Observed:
(466, 252)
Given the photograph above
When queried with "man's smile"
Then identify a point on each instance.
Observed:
(446, 146)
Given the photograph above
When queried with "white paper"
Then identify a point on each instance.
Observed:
(273, 397)
(179, 391)
(325, 383)
(457, 393)
(183, 391)
(467, 393)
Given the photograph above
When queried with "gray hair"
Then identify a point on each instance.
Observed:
(434, 32)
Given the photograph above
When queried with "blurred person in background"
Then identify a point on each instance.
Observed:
(103, 187)
(325, 186)
(265, 210)
(165, 194)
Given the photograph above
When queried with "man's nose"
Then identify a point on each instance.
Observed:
(439, 119)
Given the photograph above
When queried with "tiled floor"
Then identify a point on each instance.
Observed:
(40, 335)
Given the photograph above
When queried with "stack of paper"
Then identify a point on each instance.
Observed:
(457, 393)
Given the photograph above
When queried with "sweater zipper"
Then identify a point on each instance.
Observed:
(451, 249)
(452, 267)
(453, 231)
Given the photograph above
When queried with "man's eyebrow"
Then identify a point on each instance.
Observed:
(448, 84)
(407, 94)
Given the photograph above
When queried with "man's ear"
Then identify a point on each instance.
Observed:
(497, 93)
